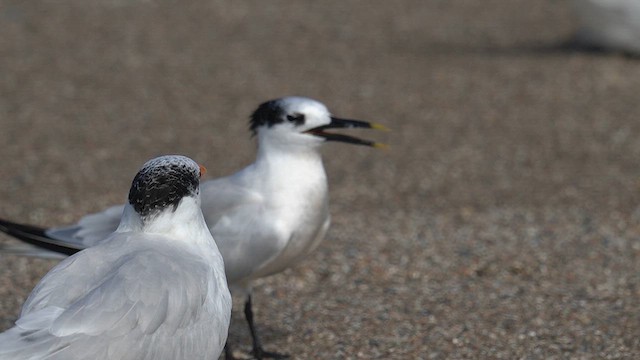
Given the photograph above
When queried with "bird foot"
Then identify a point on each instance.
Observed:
(260, 353)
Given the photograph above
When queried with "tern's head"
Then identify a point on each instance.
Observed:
(162, 183)
(302, 121)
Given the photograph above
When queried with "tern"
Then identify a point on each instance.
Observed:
(264, 218)
(154, 289)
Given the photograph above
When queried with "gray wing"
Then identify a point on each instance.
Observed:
(156, 301)
(221, 196)
(247, 232)
(90, 230)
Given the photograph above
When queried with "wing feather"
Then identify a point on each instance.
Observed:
(143, 295)
(90, 230)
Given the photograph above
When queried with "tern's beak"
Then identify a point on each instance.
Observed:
(337, 123)
(203, 170)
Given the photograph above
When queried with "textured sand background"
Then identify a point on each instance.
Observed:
(503, 222)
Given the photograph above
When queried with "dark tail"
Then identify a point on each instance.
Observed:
(36, 236)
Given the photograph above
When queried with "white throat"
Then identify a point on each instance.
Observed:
(290, 169)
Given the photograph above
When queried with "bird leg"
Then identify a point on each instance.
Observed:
(258, 352)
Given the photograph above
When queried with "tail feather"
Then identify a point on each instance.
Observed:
(36, 236)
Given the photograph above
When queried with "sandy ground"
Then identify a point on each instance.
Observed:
(502, 223)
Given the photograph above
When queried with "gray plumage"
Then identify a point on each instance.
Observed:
(154, 289)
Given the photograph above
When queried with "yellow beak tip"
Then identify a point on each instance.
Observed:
(379, 127)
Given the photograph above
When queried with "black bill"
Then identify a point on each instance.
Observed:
(337, 123)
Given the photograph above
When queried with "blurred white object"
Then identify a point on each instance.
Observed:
(612, 25)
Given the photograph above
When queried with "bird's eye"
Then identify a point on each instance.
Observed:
(296, 118)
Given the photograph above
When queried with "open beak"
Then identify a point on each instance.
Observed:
(337, 123)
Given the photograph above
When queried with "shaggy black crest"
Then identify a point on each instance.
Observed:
(157, 187)
(268, 113)
(271, 113)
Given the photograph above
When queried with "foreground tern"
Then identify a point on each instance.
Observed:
(154, 289)
(264, 218)
(612, 25)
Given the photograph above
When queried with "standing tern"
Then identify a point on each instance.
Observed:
(154, 289)
(264, 218)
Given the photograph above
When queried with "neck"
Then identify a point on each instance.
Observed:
(185, 223)
(289, 159)
(281, 171)
(272, 150)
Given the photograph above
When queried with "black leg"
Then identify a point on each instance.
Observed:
(228, 353)
(258, 352)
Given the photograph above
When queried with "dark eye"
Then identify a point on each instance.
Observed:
(298, 119)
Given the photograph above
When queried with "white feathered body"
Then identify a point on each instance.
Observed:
(153, 293)
(269, 215)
